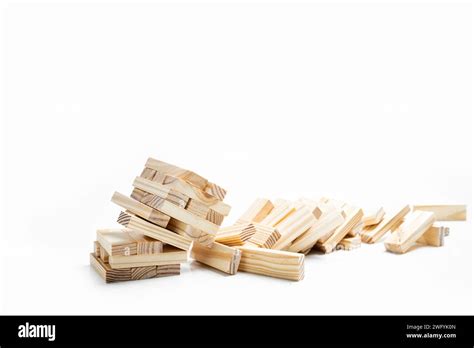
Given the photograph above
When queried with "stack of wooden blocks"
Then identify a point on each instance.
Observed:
(173, 213)
(170, 212)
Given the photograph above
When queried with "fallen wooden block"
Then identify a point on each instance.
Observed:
(350, 221)
(372, 234)
(235, 234)
(406, 235)
(264, 236)
(127, 242)
(349, 243)
(272, 263)
(190, 232)
(293, 226)
(445, 212)
(144, 211)
(154, 231)
(156, 192)
(259, 209)
(163, 185)
(374, 217)
(322, 227)
(218, 256)
(325, 208)
(169, 255)
(116, 275)
(434, 236)
(278, 214)
(348, 210)
(184, 174)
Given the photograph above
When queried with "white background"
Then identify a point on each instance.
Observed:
(369, 103)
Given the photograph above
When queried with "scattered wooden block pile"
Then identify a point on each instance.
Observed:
(170, 213)
(173, 213)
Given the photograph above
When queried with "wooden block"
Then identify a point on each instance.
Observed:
(154, 231)
(168, 184)
(293, 226)
(142, 193)
(321, 228)
(215, 190)
(103, 255)
(259, 209)
(96, 249)
(372, 234)
(357, 229)
(116, 275)
(351, 220)
(278, 214)
(405, 236)
(348, 210)
(218, 256)
(264, 236)
(434, 236)
(235, 234)
(155, 216)
(170, 255)
(445, 212)
(197, 208)
(273, 263)
(172, 170)
(190, 232)
(324, 209)
(311, 205)
(349, 243)
(215, 217)
(374, 217)
(165, 208)
(117, 241)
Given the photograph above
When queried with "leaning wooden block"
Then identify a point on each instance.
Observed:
(293, 226)
(350, 221)
(445, 212)
(111, 275)
(153, 231)
(170, 255)
(273, 263)
(184, 174)
(157, 217)
(348, 210)
(165, 183)
(349, 243)
(157, 191)
(126, 242)
(372, 234)
(322, 227)
(434, 236)
(236, 234)
(259, 209)
(264, 236)
(374, 217)
(406, 235)
(188, 231)
(218, 256)
(278, 214)
(215, 190)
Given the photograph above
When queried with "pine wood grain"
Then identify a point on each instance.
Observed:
(190, 232)
(293, 226)
(372, 234)
(236, 234)
(153, 215)
(218, 256)
(257, 211)
(445, 212)
(169, 255)
(349, 243)
(272, 263)
(434, 236)
(154, 231)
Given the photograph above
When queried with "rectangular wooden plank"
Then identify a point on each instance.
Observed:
(191, 232)
(293, 226)
(278, 214)
(197, 208)
(164, 184)
(321, 228)
(154, 231)
(117, 241)
(218, 256)
(184, 174)
(372, 234)
(445, 212)
(155, 216)
(215, 190)
(257, 211)
(236, 234)
(373, 217)
(406, 235)
(141, 194)
(264, 236)
(170, 255)
(215, 217)
(349, 243)
(434, 236)
(272, 263)
(350, 221)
